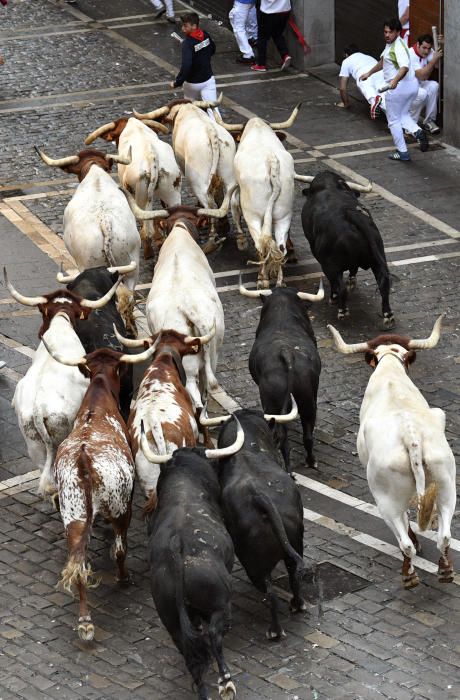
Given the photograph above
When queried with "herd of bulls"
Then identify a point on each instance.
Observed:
(204, 503)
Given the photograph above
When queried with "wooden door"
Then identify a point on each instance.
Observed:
(425, 14)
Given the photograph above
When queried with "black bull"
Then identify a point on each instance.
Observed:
(343, 236)
(97, 331)
(191, 558)
(263, 511)
(284, 360)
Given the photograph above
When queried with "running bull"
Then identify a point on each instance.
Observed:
(343, 236)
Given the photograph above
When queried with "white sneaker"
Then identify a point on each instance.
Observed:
(431, 127)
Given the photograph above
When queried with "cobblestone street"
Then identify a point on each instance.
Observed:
(68, 69)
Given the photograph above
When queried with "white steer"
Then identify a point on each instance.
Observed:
(99, 227)
(204, 150)
(48, 397)
(153, 171)
(401, 442)
(264, 171)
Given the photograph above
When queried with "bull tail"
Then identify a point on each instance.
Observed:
(154, 425)
(46, 483)
(374, 241)
(270, 253)
(213, 183)
(288, 358)
(199, 329)
(77, 570)
(106, 229)
(195, 646)
(267, 507)
(145, 189)
(426, 496)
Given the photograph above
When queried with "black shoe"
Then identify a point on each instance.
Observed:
(246, 61)
(160, 12)
(172, 19)
(422, 140)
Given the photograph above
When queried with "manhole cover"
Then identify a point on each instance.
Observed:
(333, 581)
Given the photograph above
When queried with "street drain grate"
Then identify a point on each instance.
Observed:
(333, 581)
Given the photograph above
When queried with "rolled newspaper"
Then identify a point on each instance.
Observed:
(434, 31)
(384, 88)
(176, 36)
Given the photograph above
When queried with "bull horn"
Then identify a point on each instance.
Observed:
(319, 296)
(58, 162)
(219, 453)
(229, 127)
(427, 343)
(116, 158)
(64, 278)
(223, 210)
(206, 420)
(202, 338)
(123, 269)
(148, 452)
(156, 125)
(140, 357)
(144, 214)
(27, 301)
(284, 417)
(206, 104)
(304, 178)
(359, 188)
(61, 359)
(102, 301)
(131, 342)
(344, 347)
(154, 114)
(289, 122)
(98, 132)
(253, 293)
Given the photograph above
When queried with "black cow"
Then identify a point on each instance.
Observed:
(343, 236)
(97, 331)
(191, 558)
(284, 360)
(263, 511)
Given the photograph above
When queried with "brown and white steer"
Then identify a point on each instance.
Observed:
(204, 149)
(163, 404)
(48, 397)
(94, 472)
(152, 172)
(402, 444)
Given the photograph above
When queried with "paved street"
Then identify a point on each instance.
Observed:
(69, 68)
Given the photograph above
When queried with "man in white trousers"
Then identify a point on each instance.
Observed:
(243, 18)
(403, 88)
(355, 64)
(424, 60)
(162, 7)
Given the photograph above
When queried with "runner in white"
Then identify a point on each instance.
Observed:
(162, 7)
(243, 19)
(423, 60)
(400, 76)
(353, 66)
(403, 12)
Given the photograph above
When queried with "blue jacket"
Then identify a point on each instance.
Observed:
(196, 60)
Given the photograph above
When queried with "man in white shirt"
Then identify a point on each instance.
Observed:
(354, 65)
(403, 87)
(403, 12)
(423, 60)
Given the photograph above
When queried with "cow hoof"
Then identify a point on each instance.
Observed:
(411, 581)
(297, 606)
(263, 284)
(342, 313)
(351, 284)
(274, 636)
(86, 631)
(55, 501)
(227, 691)
(333, 301)
(125, 580)
(446, 575)
(241, 244)
(388, 321)
(291, 258)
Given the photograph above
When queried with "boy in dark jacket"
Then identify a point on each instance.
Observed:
(196, 72)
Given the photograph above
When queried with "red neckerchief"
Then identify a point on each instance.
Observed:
(197, 34)
(416, 52)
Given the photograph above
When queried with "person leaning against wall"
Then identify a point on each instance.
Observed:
(272, 18)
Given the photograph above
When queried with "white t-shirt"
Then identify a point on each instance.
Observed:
(417, 61)
(402, 7)
(356, 65)
(269, 7)
(396, 56)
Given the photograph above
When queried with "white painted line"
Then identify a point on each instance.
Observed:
(370, 541)
(19, 480)
(14, 345)
(341, 144)
(364, 506)
(394, 199)
(368, 151)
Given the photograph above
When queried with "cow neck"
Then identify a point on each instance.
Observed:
(390, 354)
(99, 382)
(177, 360)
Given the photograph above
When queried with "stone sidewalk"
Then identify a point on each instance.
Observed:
(365, 637)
